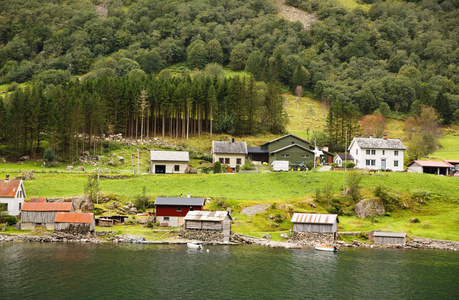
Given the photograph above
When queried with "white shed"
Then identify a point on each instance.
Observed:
(12, 194)
(168, 162)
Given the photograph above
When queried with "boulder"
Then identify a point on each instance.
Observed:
(132, 211)
(70, 168)
(272, 217)
(24, 158)
(81, 168)
(369, 207)
(266, 236)
(120, 158)
(253, 210)
(284, 235)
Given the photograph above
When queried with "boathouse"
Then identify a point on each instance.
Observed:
(42, 214)
(208, 220)
(170, 211)
(390, 238)
(81, 223)
(315, 223)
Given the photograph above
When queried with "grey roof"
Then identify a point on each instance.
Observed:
(179, 201)
(170, 155)
(229, 147)
(293, 145)
(390, 234)
(372, 143)
(347, 155)
(257, 150)
(200, 215)
(280, 138)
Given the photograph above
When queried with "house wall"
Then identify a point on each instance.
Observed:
(360, 158)
(173, 221)
(389, 240)
(294, 153)
(169, 166)
(42, 218)
(14, 205)
(286, 142)
(415, 168)
(319, 228)
(171, 210)
(75, 227)
(338, 161)
(232, 157)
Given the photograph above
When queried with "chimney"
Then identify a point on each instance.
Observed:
(188, 195)
(385, 137)
(232, 140)
(7, 178)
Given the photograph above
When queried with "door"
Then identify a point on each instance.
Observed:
(160, 169)
(383, 164)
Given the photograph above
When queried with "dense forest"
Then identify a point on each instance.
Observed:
(129, 66)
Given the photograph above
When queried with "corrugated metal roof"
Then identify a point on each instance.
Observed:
(179, 201)
(373, 143)
(170, 155)
(47, 206)
(315, 218)
(428, 163)
(229, 147)
(198, 215)
(390, 234)
(37, 200)
(257, 150)
(9, 188)
(74, 218)
(293, 145)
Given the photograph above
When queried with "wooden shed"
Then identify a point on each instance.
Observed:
(315, 223)
(208, 220)
(390, 238)
(75, 222)
(42, 214)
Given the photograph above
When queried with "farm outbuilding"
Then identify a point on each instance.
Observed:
(170, 211)
(430, 167)
(42, 214)
(315, 223)
(74, 222)
(208, 220)
(390, 238)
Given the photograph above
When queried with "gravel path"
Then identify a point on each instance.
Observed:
(294, 14)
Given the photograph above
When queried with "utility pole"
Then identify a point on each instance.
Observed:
(98, 176)
(138, 161)
(344, 162)
(315, 153)
(132, 162)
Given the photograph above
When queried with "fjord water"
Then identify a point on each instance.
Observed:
(73, 271)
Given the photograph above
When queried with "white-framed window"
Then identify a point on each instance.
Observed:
(373, 152)
(373, 162)
(166, 218)
(227, 160)
(370, 162)
(368, 152)
(395, 163)
(305, 156)
(367, 162)
(396, 152)
(176, 168)
(238, 161)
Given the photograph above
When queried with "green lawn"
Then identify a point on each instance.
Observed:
(449, 147)
(352, 4)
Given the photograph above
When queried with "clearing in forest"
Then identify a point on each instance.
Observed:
(293, 14)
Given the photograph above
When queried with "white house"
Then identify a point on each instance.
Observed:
(229, 153)
(12, 194)
(340, 157)
(378, 154)
(169, 162)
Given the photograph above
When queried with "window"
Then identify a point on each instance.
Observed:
(383, 152)
(370, 162)
(356, 151)
(166, 218)
(395, 163)
(238, 161)
(368, 152)
(227, 160)
(373, 162)
(396, 152)
(285, 155)
(177, 168)
(179, 208)
(373, 152)
(367, 162)
(221, 160)
(305, 156)
(191, 208)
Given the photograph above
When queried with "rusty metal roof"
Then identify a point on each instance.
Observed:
(37, 200)
(430, 163)
(47, 206)
(9, 188)
(389, 234)
(62, 217)
(315, 218)
(215, 216)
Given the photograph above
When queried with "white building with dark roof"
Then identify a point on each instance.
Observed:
(168, 162)
(229, 153)
(378, 154)
(343, 157)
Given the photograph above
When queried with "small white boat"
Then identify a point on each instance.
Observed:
(194, 246)
(325, 247)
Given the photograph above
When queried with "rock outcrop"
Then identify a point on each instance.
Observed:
(369, 207)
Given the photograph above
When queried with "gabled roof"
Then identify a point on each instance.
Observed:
(287, 135)
(315, 218)
(452, 161)
(37, 200)
(200, 215)
(257, 150)
(343, 155)
(372, 143)
(389, 234)
(9, 188)
(428, 163)
(293, 145)
(170, 155)
(47, 206)
(179, 201)
(62, 217)
(224, 147)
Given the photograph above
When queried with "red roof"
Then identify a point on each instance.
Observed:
(74, 218)
(37, 200)
(9, 188)
(428, 163)
(452, 161)
(47, 206)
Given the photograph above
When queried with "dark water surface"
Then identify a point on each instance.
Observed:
(68, 271)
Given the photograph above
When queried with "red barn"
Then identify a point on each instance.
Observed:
(170, 211)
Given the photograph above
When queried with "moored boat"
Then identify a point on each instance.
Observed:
(325, 247)
(194, 246)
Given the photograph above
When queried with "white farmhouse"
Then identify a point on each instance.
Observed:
(168, 162)
(229, 153)
(12, 194)
(378, 154)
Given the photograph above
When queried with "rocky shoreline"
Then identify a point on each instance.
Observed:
(236, 239)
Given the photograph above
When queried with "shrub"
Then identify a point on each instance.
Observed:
(9, 220)
(333, 165)
(49, 155)
(142, 202)
(279, 218)
(309, 165)
(353, 183)
(207, 157)
(350, 164)
(225, 168)
(389, 201)
(217, 168)
(238, 168)
(206, 169)
(247, 166)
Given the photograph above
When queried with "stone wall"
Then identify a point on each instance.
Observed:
(202, 235)
(312, 238)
